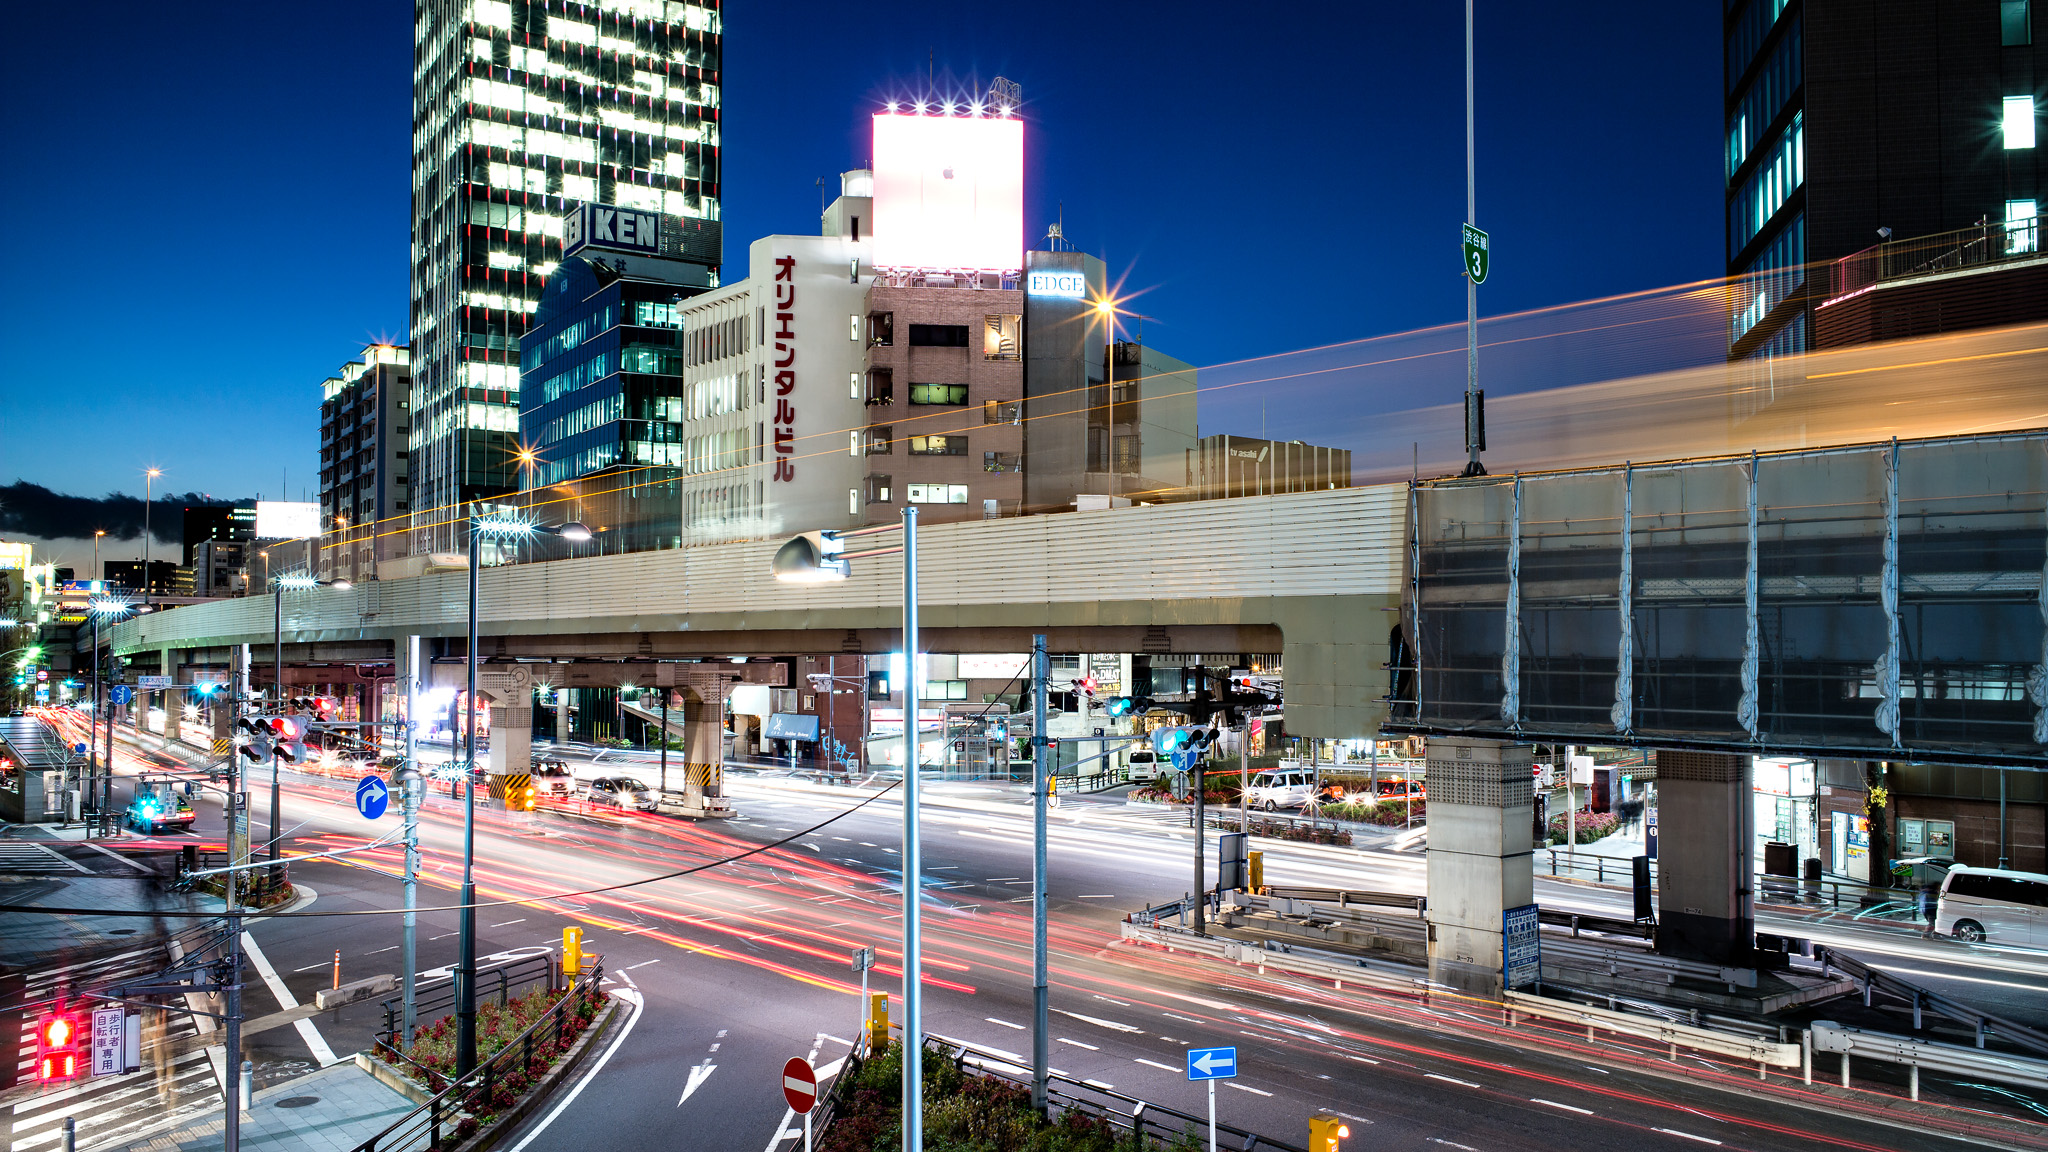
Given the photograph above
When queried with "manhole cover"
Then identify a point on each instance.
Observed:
(297, 1101)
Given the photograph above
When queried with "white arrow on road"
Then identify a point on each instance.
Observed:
(698, 1075)
(1210, 1061)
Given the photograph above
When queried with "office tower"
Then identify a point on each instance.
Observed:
(365, 424)
(522, 112)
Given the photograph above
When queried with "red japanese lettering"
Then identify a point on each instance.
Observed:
(785, 267)
(785, 382)
(784, 414)
(784, 470)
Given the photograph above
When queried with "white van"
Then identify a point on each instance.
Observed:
(1280, 788)
(1994, 905)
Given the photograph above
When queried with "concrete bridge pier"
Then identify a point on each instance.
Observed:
(1705, 907)
(1481, 856)
(703, 748)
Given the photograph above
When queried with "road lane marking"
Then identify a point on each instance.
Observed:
(698, 1075)
(1157, 1064)
(1686, 1135)
(1555, 1104)
(1245, 1088)
(1099, 1022)
(393, 948)
(1077, 1044)
(643, 964)
(1450, 1080)
(1112, 1000)
(322, 1054)
(1004, 1023)
(630, 996)
(509, 923)
(1452, 1144)
(1098, 896)
(1100, 1084)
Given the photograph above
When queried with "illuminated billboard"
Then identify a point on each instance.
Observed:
(286, 519)
(949, 192)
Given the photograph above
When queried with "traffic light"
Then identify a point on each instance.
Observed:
(287, 734)
(1085, 686)
(56, 1046)
(1324, 1130)
(999, 730)
(520, 799)
(1183, 738)
(254, 741)
(1118, 706)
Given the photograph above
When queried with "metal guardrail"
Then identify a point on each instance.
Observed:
(499, 979)
(460, 1098)
(1984, 244)
(1877, 982)
(1866, 900)
(1915, 1054)
(1129, 1114)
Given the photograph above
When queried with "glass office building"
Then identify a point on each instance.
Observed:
(520, 111)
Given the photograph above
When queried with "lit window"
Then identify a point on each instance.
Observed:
(2019, 122)
(853, 501)
(853, 328)
(2021, 232)
(938, 493)
(2015, 24)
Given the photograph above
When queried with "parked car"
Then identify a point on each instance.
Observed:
(1994, 906)
(620, 792)
(1275, 789)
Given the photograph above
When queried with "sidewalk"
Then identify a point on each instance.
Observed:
(331, 1110)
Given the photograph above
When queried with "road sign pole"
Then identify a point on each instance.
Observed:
(807, 1132)
(410, 799)
(1212, 1116)
(913, 858)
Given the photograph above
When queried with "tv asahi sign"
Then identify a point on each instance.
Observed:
(613, 229)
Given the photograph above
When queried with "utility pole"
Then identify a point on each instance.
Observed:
(465, 965)
(1041, 775)
(409, 799)
(913, 857)
(1201, 833)
(1475, 428)
(237, 813)
(277, 662)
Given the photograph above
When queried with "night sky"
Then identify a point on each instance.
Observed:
(207, 204)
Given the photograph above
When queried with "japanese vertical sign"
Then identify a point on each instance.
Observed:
(785, 368)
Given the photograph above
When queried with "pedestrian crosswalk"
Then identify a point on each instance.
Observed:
(27, 856)
(109, 1108)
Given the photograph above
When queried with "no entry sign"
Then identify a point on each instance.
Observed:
(799, 1085)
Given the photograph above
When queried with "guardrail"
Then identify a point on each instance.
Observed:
(498, 979)
(1127, 1114)
(1868, 901)
(1876, 982)
(1915, 1054)
(461, 1097)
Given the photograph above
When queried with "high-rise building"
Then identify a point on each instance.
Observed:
(223, 522)
(1880, 164)
(521, 111)
(365, 426)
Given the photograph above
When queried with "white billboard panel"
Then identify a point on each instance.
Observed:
(949, 192)
(286, 519)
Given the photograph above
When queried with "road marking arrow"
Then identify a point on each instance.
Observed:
(698, 1075)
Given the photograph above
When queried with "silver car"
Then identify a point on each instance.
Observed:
(620, 792)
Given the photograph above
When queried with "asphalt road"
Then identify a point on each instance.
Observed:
(744, 964)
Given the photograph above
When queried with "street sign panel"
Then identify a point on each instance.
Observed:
(120, 694)
(799, 1085)
(863, 959)
(1521, 946)
(152, 683)
(373, 796)
(1183, 760)
(108, 1032)
(1478, 258)
(1212, 1063)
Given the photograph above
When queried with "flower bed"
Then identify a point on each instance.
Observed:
(966, 1112)
(1591, 826)
(1385, 814)
(432, 1049)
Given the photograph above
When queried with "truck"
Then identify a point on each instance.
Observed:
(159, 804)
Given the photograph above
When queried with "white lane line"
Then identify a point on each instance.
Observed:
(1452, 1144)
(1004, 1023)
(509, 923)
(322, 1054)
(309, 967)
(1245, 1088)
(1555, 1104)
(1450, 1080)
(1099, 1022)
(1100, 896)
(1687, 1135)
(393, 948)
(1157, 1064)
(642, 964)
(630, 996)
(1077, 1044)
(1101, 1085)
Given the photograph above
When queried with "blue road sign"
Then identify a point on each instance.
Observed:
(1183, 760)
(372, 797)
(1521, 945)
(120, 694)
(78, 748)
(1212, 1063)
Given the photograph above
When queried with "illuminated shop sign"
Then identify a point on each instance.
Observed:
(1069, 284)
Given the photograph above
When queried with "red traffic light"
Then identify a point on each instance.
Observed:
(56, 1046)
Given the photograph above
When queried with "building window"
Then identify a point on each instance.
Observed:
(853, 501)
(953, 394)
(938, 335)
(996, 412)
(1000, 462)
(878, 439)
(2022, 234)
(853, 385)
(938, 445)
(938, 493)
(881, 329)
(2019, 122)
(881, 387)
(1003, 338)
(877, 489)
(2015, 23)
(853, 328)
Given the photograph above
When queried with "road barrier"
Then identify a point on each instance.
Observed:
(1915, 1054)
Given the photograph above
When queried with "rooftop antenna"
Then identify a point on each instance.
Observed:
(1057, 234)
(1005, 95)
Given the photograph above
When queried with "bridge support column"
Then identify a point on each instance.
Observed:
(1705, 908)
(703, 748)
(1480, 856)
(562, 714)
(174, 700)
(511, 738)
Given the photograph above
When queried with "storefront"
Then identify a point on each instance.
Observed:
(1786, 812)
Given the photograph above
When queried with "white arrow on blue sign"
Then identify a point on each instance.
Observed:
(1212, 1063)
(373, 796)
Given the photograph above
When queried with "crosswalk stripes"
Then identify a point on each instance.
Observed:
(28, 856)
(108, 1108)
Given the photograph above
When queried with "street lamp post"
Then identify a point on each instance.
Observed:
(277, 590)
(815, 558)
(102, 779)
(465, 967)
(149, 498)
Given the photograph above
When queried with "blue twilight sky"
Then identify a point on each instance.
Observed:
(207, 204)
